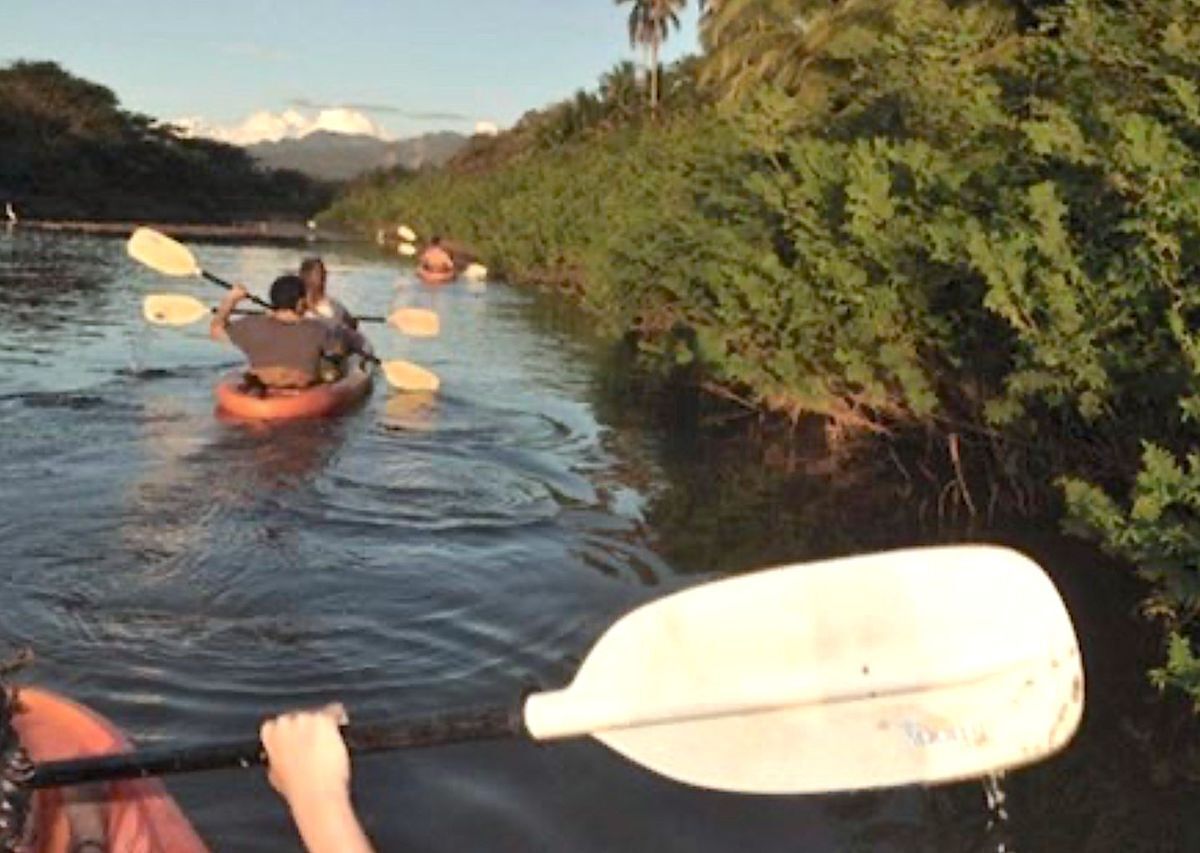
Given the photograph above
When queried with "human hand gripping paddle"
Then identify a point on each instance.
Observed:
(906, 667)
(170, 257)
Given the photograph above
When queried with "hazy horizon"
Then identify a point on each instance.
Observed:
(257, 69)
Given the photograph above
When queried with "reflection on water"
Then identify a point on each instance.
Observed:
(187, 576)
(416, 412)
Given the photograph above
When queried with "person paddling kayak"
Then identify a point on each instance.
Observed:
(319, 305)
(285, 348)
(317, 300)
(307, 759)
(436, 260)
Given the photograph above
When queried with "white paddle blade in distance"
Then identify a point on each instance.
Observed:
(908, 667)
(161, 253)
(406, 234)
(173, 309)
(406, 376)
(475, 272)
(407, 249)
(415, 322)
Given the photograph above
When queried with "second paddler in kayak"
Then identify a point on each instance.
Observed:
(318, 303)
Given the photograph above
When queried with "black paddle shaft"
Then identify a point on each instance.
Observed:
(436, 730)
(220, 282)
(250, 313)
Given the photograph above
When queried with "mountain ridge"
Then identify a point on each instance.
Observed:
(331, 156)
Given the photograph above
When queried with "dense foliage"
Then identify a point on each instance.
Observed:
(67, 149)
(976, 219)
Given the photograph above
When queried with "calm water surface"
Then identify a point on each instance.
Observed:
(187, 576)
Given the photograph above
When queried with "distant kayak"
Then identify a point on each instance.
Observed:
(136, 816)
(432, 277)
(235, 400)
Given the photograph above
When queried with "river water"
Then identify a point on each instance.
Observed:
(186, 576)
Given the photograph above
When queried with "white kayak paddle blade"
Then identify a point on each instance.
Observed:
(173, 309)
(407, 249)
(908, 667)
(161, 253)
(406, 376)
(406, 234)
(415, 322)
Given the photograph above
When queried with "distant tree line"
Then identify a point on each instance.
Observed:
(68, 150)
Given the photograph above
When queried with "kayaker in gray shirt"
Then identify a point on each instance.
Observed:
(285, 348)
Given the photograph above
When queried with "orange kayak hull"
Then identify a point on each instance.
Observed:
(140, 817)
(320, 401)
(431, 277)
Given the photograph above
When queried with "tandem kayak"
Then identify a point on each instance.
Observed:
(319, 401)
(433, 277)
(136, 816)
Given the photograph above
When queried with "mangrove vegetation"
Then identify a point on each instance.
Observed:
(973, 222)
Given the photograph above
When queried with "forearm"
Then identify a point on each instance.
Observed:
(328, 825)
(220, 320)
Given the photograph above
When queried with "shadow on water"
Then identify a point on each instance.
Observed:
(187, 576)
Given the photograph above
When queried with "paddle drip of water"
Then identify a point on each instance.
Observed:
(997, 825)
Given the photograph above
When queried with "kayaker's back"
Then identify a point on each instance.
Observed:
(275, 345)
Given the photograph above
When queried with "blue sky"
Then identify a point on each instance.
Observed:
(222, 60)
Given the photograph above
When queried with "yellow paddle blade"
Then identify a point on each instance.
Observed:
(406, 234)
(173, 309)
(406, 376)
(161, 253)
(407, 249)
(415, 322)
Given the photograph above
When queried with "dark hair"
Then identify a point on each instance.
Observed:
(435, 240)
(310, 264)
(286, 293)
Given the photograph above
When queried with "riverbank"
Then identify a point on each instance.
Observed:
(931, 256)
(267, 231)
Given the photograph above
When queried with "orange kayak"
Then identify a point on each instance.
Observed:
(432, 277)
(319, 401)
(137, 816)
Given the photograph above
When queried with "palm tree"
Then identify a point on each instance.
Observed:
(783, 42)
(650, 22)
(804, 46)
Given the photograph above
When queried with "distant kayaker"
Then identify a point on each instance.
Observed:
(435, 259)
(285, 348)
(310, 768)
(320, 303)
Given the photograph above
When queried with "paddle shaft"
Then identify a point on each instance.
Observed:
(371, 319)
(220, 282)
(435, 730)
